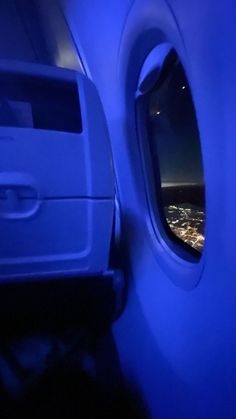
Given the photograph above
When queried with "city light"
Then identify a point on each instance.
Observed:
(187, 223)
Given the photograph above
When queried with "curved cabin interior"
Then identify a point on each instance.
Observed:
(117, 209)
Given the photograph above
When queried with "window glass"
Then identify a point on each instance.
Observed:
(176, 155)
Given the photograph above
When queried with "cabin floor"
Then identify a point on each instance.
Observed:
(57, 354)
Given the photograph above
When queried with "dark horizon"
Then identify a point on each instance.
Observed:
(193, 194)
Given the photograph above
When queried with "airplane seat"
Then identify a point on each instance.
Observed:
(59, 291)
(56, 176)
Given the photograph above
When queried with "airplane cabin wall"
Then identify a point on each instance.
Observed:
(176, 337)
(176, 345)
(36, 31)
(14, 43)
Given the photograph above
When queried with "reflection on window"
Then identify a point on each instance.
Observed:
(176, 155)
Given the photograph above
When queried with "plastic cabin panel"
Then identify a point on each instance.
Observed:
(56, 177)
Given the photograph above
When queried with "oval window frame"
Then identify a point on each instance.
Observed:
(179, 263)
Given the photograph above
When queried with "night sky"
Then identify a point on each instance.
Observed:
(174, 135)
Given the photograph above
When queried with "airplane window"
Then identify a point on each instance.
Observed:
(176, 155)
